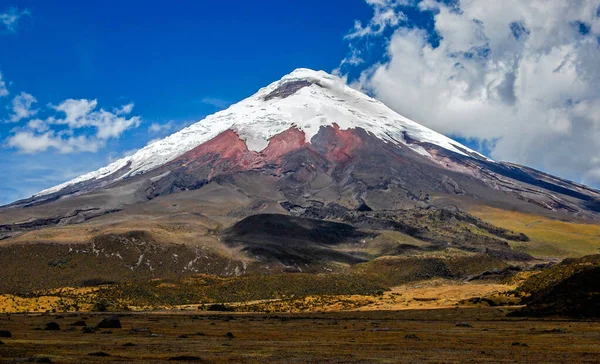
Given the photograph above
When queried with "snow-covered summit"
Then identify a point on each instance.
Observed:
(305, 99)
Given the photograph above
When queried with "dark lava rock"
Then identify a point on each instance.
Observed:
(33, 359)
(182, 337)
(463, 324)
(106, 332)
(229, 335)
(58, 317)
(79, 323)
(52, 326)
(289, 88)
(516, 343)
(5, 333)
(129, 345)
(219, 308)
(112, 322)
(412, 336)
(40, 359)
(199, 334)
(558, 330)
(88, 330)
(186, 358)
(99, 353)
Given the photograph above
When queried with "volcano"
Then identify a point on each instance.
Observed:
(299, 176)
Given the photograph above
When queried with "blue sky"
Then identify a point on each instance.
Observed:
(179, 62)
(176, 63)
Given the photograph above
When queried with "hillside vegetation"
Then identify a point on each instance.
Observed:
(548, 237)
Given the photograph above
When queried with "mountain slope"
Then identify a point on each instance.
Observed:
(307, 146)
(290, 113)
(318, 100)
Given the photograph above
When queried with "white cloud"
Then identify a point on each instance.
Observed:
(124, 110)
(353, 59)
(80, 114)
(22, 107)
(30, 142)
(156, 128)
(10, 18)
(38, 125)
(3, 89)
(386, 14)
(519, 76)
(76, 112)
(87, 129)
(112, 126)
(216, 102)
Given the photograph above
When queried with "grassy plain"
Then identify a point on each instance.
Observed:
(460, 335)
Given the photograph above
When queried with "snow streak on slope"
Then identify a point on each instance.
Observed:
(325, 101)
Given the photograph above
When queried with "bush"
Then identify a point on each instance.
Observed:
(100, 306)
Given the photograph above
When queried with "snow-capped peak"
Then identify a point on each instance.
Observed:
(305, 99)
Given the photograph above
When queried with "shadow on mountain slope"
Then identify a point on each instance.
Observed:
(570, 288)
(293, 240)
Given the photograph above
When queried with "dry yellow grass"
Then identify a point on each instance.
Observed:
(437, 293)
(549, 238)
(55, 300)
(430, 294)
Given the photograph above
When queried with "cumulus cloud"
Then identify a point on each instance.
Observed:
(76, 112)
(520, 77)
(10, 18)
(22, 107)
(3, 89)
(87, 129)
(38, 125)
(29, 141)
(81, 113)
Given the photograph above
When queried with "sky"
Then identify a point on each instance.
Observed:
(84, 83)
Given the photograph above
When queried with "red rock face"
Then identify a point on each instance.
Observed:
(283, 143)
(228, 153)
(339, 144)
(227, 144)
(226, 150)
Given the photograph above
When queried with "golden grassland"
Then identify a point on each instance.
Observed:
(458, 335)
(549, 238)
(436, 293)
(430, 294)
(62, 299)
